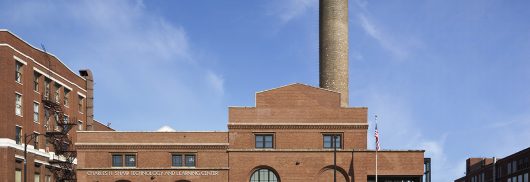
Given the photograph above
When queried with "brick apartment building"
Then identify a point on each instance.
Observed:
(40, 97)
(513, 168)
(286, 136)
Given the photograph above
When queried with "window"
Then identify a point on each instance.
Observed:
(264, 141)
(525, 177)
(130, 160)
(79, 125)
(57, 94)
(179, 160)
(118, 160)
(514, 166)
(18, 72)
(190, 160)
(47, 83)
(36, 77)
(48, 178)
(328, 141)
(176, 160)
(36, 140)
(35, 112)
(66, 96)
(18, 175)
(56, 117)
(509, 168)
(66, 121)
(80, 100)
(18, 135)
(263, 175)
(18, 104)
(37, 177)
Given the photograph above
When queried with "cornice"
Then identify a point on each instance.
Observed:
(298, 126)
(126, 146)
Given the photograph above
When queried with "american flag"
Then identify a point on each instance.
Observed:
(376, 138)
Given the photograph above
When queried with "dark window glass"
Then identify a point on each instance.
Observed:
(36, 141)
(177, 160)
(18, 136)
(18, 72)
(117, 160)
(265, 141)
(130, 160)
(190, 160)
(36, 77)
(263, 175)
(328, 140)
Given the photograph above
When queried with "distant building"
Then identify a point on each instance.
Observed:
(513, 168)
(45, 100)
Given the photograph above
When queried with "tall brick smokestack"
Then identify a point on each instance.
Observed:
(333, 16)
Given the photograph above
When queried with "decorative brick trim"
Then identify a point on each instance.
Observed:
(298, 126)
(150, 147)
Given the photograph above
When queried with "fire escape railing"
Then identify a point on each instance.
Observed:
(64, 168)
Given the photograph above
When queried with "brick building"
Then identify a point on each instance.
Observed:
(513, 168)
(32, 81)
(286, 136)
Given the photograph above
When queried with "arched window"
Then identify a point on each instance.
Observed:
(263, 175)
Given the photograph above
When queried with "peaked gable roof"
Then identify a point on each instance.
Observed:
(297, 95)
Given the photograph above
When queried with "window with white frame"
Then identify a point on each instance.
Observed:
(18, 71)
(66, 96)
(36, 140)
(18, 135)
(18, 104)
(35, 112)
(36, 77)
(47, 83)
(57, 93)
(80, 99)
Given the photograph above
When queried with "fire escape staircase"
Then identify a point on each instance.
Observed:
(63, 145)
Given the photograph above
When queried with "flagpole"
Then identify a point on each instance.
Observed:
(376, 147)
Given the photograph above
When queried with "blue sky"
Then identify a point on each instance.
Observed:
(448, 76)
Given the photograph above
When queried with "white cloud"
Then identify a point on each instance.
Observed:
(133, 53)
(397, 48)
(216, 82)
(398, 130)
(287, 10)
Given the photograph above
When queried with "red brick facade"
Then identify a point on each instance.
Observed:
(513, 168)
(297, 117)
(19, 93)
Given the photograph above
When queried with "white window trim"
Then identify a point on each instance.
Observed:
(21, 135)
(38, 111)
(52, 78)
(80, 110)
(81, 94)
(21, 104)
(67, 105)
(22, 69)
(37, 63)
(20, 60)
(38, 90)
(36, 137)
(79, 121)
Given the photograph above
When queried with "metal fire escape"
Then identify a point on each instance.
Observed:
(64, 169)
(62, 164)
